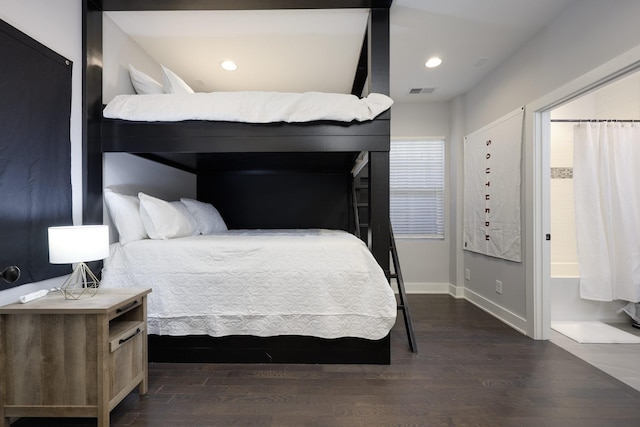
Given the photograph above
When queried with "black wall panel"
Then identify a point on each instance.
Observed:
(283, 200)
(35, 153)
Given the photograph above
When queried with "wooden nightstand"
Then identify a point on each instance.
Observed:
(72, 358)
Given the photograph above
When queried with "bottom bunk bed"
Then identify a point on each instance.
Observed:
(284, 296)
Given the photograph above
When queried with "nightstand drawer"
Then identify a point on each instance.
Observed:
(122, 332)
(123, 309)
(127, 358)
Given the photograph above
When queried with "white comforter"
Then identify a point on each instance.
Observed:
(321, 283)
(248, 107)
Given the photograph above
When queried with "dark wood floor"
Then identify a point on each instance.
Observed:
(472, 370)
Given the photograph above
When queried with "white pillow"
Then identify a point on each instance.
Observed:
(192, 221)
(173, 83)
(207, 217)
(163, 220)
(142, 83)
(125, 214)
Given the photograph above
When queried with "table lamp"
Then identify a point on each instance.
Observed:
(79, 244)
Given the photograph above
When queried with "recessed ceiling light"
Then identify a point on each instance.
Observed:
(433, 62)
(229, 65)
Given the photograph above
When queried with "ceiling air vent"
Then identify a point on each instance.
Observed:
(421, 90)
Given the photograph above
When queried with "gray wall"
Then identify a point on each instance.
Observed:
(424, 262)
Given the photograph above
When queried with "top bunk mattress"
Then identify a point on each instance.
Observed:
(247, 107)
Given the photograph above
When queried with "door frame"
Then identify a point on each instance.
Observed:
(537, 118)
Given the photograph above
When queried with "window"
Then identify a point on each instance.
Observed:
(416, 169)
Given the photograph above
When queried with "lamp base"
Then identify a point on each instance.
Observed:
(82, 283)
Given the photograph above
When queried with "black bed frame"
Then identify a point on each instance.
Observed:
(231, 158)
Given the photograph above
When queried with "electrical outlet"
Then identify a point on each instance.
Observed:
(467, 274)
(498, 287)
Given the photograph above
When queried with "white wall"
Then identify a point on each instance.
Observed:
(128, 174)
(587, 34)
(424, 262)
(118, 51)
(123, 172)
(564, 253)
(57, 25)
(456, 199)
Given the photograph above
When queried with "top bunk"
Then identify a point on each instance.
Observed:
(163, 138)
(195, 136)
(324, 145)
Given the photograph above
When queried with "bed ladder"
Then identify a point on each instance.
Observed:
(404, 306)
(359, 184)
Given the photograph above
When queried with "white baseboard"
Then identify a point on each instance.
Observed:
(517, 322)
(423, 288)
(456, 291)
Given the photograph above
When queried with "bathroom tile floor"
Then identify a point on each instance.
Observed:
(621, 361)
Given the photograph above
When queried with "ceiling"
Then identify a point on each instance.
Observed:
(302, 50)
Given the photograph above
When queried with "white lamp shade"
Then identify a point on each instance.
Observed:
(71, 244)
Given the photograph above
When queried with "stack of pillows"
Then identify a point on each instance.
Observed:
(147, 217)
(146, 85)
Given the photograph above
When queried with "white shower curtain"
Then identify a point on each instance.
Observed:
(606, 175)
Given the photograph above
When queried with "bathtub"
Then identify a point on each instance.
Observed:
(565, 269)
(566, 303)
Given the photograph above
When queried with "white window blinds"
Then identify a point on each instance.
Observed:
(416, 169)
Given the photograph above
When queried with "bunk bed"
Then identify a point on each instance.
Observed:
(251, 159)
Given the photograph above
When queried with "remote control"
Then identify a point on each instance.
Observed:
(33, 295)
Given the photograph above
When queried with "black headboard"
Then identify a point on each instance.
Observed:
(35, 153)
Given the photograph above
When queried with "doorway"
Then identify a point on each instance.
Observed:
(614, 97)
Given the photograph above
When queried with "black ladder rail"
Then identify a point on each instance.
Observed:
(404, 306)
(397, 273)
(356, 214)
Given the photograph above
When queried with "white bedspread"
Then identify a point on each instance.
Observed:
(248, 107)
(321, 283)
